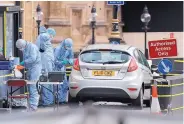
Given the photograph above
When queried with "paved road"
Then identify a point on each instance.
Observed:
(66, 115)
(88, 115)
(111, 105)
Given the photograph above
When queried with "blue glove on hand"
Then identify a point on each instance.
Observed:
(64, 62)
(22, 63)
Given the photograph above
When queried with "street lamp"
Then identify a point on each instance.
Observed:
(93, 23)
(39, 15)
(145, 18)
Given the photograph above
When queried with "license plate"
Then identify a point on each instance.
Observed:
(103, 73)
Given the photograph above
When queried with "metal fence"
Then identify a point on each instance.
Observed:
(4, 76)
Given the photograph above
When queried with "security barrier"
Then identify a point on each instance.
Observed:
(164, 89)
(171, 74)
(179, 61)
(170, 93)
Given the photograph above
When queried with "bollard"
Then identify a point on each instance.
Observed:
(164, 94)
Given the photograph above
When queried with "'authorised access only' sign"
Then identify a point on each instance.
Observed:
(162, 48)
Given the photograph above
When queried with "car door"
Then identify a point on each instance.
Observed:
(141, 64)
(146, 68)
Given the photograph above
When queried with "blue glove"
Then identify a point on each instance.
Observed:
(71, 62)
(22, 63)
(64, 62)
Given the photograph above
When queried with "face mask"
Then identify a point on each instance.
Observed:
(67, 48)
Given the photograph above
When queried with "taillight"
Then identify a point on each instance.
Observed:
(132, 89)
(133, 65)
(76, 65)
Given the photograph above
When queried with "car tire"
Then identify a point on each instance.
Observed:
(138, 103)
(148, 103)
(72, 101)
(88, 103)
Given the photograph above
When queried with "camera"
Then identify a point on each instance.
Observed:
(43, 77)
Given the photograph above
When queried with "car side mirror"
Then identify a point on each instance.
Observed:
(154, 68)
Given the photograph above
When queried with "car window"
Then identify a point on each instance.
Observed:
(144, 59)
(89, 57)
(138, 57)
(97, 56)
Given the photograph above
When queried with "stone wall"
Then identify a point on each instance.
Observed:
(28, 19)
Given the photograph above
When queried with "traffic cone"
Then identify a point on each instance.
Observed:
(155, 106)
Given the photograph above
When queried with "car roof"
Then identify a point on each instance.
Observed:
(120, 47)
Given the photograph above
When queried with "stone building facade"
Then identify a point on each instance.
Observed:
(69, 19)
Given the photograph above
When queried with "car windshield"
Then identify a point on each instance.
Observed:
(105, 57)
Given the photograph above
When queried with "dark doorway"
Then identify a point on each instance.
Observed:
(16, 33)
(1, 38)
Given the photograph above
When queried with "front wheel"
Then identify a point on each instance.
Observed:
(138, 103)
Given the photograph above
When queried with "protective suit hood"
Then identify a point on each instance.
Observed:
(21, 44)
(43, 29)
(67, 43)
(51, 31)
(44, 37)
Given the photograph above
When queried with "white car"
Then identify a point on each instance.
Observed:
(112, 73)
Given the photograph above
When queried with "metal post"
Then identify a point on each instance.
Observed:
(38, 10)
(93, 23)
(145, 28)
(164, 76)
(115, 12)
(145, 43)
(38, 22)
(93, 31)
(115, 34)
(145, 18)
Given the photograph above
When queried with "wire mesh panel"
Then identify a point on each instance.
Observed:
(4, 76)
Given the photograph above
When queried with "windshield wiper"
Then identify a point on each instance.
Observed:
(111, 62)
(91, 62)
